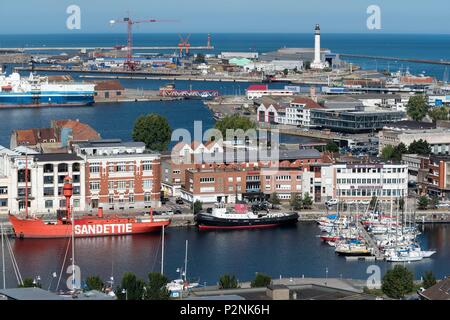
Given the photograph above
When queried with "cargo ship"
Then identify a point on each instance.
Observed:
(240, 217)
(36, 91)
(87, 226)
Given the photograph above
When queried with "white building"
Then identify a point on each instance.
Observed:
(274, 66)
(299, 112)
(259, 91)
(360, 182)
(274, 113)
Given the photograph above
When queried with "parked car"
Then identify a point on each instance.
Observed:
(179, 201)
(332, 202)
(177, 211)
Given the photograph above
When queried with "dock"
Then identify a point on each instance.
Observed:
(24, 49)
(378, 255)
(424, 61)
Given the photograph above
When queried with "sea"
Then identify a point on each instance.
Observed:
(286, 252)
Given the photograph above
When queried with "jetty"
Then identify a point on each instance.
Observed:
(370, 242)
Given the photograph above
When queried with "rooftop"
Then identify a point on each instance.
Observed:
(440, 291)
(49, 157)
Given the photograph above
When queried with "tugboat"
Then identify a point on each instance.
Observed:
(86, 226)
(240, 217)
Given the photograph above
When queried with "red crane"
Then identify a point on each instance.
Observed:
(129, 62)
(184, 43)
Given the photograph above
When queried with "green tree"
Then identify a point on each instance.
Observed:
(153, 130)
(400, 150)
(274, 199)
(285, 72)
(131, 287)
(434, 202)
(307, 201)
(296, 201)
(94, 283)
(234, 122)
(421, 147)
(428, 280)
(397, 282)
(197, 206)
(261, 280)
(417, 107)
(423, 202)
(387, 153)
(156, 287)
(29, 283)
(440, 113)
(332, 147)
(228, 281)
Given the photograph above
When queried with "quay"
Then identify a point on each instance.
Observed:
(24, 49)
(425, 61)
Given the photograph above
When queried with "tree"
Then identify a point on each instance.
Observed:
(400, 150)
(307, 201)
(234, 122)
(285, 72)
(423, 202)
(419, 147)
(228, 282)
(156, 287)
(153, 130)
(131, 287)
(417, 107)
(397, 282)
(332, 147)
(261, 280)
(434, 202)
(94, 283)
(296, 201)
(274, 199)
(428, 280)
(30, 283)
(387, 153)
(440, 113)
(390, 152)
(197, 206)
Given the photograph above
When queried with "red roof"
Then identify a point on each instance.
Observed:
(257, 87)
(309, 103)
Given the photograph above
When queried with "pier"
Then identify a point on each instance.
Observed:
(370, 242)
(425, 61)
(98, 48)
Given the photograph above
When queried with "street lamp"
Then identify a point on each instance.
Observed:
(326, 275)
(124, 291)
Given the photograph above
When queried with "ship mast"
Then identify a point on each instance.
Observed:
(185, 262)
(26, 184)
(162, 252)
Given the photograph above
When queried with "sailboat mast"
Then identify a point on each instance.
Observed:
(3, 258)
(162, 252)
(73, 250)
(185, 261)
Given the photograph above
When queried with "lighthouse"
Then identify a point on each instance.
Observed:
(317, 63)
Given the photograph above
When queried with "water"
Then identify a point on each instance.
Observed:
(289, 252)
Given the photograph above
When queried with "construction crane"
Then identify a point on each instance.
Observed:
(184, 43)
(130, 63)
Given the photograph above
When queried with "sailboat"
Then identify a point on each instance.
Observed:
(176, 286)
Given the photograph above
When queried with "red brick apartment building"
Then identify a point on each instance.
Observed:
(120, 175)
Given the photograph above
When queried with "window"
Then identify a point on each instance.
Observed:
(76, 167)
(110, 185)
(148, 184)
(3, 202)
(131, 184)
(48, 204)
(76, 190)
(131, 198)
(49, 191)
(94, 168)
(48, 179)
(76, 203)
(147, 166)
(21, 175)
(62, 203)
(121, 168)
(94, 185)
(121, 185)
(207, 180)
(48, 168)
(3, 190)
(147, 197)
(76, 178)
(111, 199)
(63, 167)
(61, 179)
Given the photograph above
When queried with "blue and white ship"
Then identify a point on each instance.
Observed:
(36, 91)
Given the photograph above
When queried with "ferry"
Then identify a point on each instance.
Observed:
(36, 91)
(65, 225)
(240, 217)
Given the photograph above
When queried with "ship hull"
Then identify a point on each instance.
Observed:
(84, 227)
(209, 222)
(12, 100)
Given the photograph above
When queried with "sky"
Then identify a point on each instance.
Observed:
(227, 16)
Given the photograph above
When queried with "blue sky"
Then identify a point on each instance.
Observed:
(202, 16)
